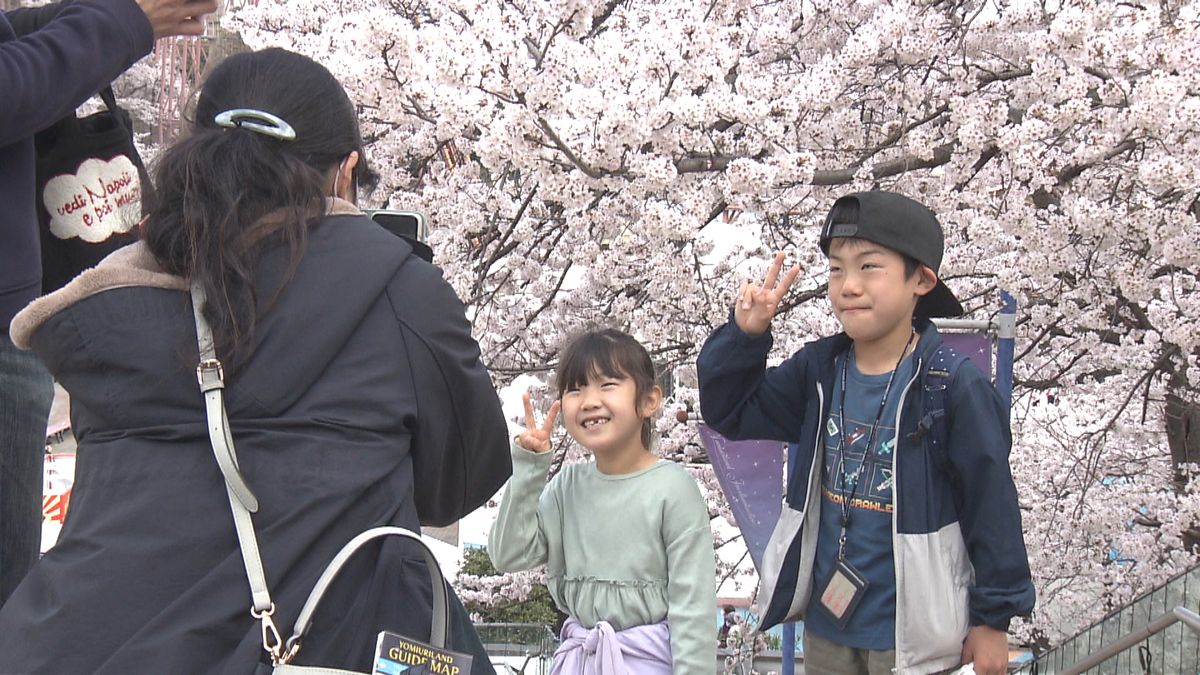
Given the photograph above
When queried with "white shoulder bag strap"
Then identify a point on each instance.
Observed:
(242, 503)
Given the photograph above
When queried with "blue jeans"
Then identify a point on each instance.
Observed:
(26, 391)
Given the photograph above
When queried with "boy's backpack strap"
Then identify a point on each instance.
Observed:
(934, 423)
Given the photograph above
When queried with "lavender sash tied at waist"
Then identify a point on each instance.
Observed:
(640, 650)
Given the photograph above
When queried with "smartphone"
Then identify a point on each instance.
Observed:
(411, 226)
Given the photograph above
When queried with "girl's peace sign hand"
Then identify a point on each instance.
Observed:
(756, 305)
(535, 438)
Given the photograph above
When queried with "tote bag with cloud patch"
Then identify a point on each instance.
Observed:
(92, 189)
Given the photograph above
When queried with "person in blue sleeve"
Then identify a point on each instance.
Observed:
(896, 560)
(52, 59)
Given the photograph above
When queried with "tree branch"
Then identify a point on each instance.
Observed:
(588, 171)
(886, 169)
(600, 17)
(894, 167)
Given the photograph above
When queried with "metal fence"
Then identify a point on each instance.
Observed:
(518, 648)
(1174, 649)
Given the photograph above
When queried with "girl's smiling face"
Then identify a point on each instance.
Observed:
(606, 383)
(604, 415)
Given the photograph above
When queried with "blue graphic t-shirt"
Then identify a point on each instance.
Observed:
(872, 625)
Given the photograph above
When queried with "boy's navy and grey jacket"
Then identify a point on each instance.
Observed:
(957, 544)
(362, 402)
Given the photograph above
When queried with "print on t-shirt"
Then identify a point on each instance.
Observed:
(872, 471)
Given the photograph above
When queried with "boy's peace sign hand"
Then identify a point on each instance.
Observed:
(535, 438)
(756, 305)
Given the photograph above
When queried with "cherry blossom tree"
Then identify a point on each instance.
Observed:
(629, 163)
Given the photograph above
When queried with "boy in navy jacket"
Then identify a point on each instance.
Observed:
(897, 554)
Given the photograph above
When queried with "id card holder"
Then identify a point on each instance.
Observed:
(842, 594)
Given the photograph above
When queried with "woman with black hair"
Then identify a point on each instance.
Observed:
(354, 389)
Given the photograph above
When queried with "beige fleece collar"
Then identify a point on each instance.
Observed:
(131, 265)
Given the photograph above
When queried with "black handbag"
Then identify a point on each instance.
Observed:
(92, 190)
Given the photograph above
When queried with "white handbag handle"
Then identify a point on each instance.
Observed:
(437, 634)
(242, 503)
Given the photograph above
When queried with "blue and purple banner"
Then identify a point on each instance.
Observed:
(975, 346)
(751, 474)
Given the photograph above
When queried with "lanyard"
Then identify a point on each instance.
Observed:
(847, 499)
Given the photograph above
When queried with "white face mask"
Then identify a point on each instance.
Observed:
(345, 176)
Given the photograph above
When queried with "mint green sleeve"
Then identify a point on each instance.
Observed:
(691, 580)
(518, 540)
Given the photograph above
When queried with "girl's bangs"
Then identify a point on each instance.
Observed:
(591, 357)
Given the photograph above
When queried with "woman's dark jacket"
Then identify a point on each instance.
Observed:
(363, 403)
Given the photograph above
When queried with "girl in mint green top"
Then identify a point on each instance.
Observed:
(625, 539)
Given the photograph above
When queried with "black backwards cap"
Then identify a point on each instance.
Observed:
(905, 226)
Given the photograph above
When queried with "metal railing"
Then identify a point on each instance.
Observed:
(1161, 624)
(517, 639)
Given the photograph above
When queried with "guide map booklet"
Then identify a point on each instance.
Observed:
(396, 654)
